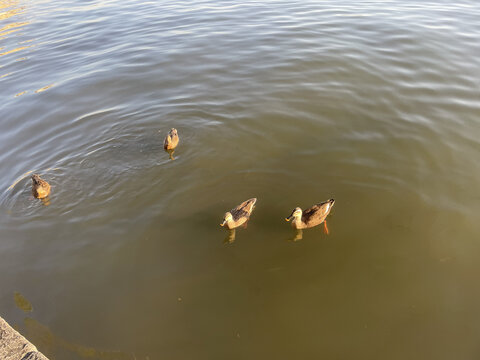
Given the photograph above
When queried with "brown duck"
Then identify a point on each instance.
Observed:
(311, 217)
(239, 215)
(40, 188)
(171, 140)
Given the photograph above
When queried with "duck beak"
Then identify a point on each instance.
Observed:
(288, 219)
(223, 223)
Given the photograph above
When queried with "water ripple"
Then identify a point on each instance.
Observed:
(374, 103)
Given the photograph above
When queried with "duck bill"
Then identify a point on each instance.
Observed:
(288, 218)
(223, 223)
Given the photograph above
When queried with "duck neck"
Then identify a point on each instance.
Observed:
(230, 224)
(298, 223)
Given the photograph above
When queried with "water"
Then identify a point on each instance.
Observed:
(375, 104)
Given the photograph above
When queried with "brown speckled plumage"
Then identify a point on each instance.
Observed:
(239, 215)
(171, 140)
(40, 188)
(311, 217)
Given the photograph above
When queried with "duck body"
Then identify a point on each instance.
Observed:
(171, 140)
(310, 217)
(239, 215)
(40, 188)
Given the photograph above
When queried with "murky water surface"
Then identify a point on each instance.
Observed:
(375, 104)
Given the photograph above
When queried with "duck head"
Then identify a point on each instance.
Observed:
(226, 218)
(36, 179)
(296, 214)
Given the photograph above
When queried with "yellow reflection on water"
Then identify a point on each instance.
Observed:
(9, 13)
(43, 88)
(7, 32)
(9, 9)
(14, 50)
(9, 28)
(230, 238)
(298, 235)
(20, 179)
(24, 175)
(14, 25)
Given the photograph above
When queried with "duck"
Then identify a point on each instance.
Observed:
(239, 215)
(171, 140)
(40, 188)
(312, 216)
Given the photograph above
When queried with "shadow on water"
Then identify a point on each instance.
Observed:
(22, 303)
(56, 347)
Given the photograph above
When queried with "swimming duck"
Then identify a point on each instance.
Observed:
(239, 215)
(40, 188)
(171, 140)
(311, 217)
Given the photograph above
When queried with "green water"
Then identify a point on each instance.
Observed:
(375, 105)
